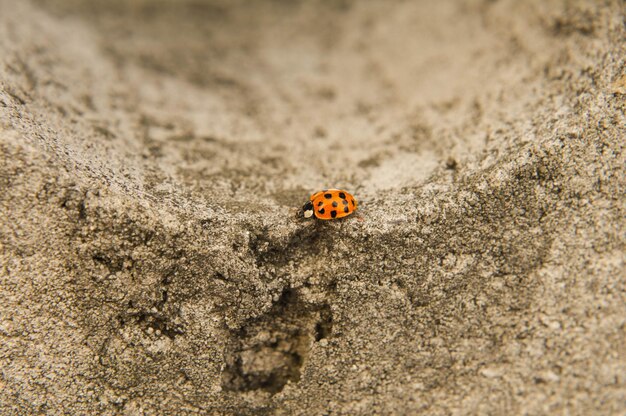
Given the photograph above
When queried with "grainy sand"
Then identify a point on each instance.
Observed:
(154, 155)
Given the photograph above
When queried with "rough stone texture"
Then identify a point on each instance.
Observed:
(154, 155)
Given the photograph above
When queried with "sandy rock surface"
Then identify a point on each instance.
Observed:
(154, 155)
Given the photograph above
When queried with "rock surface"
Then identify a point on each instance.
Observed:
(154, 155)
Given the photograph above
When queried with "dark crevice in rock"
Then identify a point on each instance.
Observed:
(155, 321)
(269, 351)
(308, 241)
(113, 265)
(324, 327)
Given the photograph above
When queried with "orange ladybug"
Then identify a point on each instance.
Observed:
(330, 204)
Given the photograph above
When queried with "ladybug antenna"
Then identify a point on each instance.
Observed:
(308, 209)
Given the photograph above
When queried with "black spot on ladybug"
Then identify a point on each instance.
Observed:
(344, 202)
(352, 200)
(319, 204)
(333, 213)
(342, 195)
(335, 204)
(328, 196)
(345, 209)
(321, 211)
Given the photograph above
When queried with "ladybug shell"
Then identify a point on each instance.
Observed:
(330, 204)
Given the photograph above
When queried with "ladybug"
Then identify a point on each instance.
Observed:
(330, 204)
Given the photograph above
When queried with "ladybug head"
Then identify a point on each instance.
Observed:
(307, 209)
